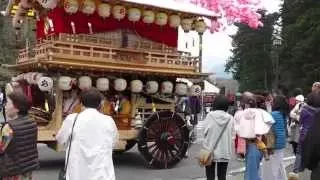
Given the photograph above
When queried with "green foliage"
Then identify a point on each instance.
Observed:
(301, 49)
(251, 62)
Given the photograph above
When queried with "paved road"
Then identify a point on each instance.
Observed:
(131, 166)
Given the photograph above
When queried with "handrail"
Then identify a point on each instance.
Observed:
(78, 47)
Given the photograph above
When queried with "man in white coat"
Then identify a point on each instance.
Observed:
(93, 139)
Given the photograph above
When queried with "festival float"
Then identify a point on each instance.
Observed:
(126, 49)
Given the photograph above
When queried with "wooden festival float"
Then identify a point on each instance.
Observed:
(128, 50)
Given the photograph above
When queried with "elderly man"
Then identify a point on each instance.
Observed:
(93, 138)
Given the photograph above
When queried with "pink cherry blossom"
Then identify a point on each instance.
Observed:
(231, 11)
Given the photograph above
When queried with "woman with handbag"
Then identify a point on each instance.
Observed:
(217, 143)
(18, 140)
(274, 169)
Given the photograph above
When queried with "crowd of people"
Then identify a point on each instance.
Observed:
(258, 131)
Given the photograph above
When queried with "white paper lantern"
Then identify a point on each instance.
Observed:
(48, 4)
(29, 78)
(104, 10)
(134, 14)
(35, 77)
(186, 24)
(166, 87)
(181, 89)
(161, 19)
(152, 87)
(200, 26)
(17, 21)
(88, 7)
(148, 17)
(71, 6)
(195, 90)
(103, 84)
(85, 82)
(45, 84)
(119, 12)
(120, 84)
(65, 83)
(174, 21)
(136, 86)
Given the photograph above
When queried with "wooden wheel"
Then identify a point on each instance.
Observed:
(164, 139)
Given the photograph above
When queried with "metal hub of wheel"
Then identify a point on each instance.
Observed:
(164, 139)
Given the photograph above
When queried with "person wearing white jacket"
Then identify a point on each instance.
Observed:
(294, 123)
(218, 138)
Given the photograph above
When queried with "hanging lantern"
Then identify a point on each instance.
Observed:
(166, 87)
(195, 90)
(186, 24)
(88, 7)
(65, 83)
(152, 87)
(34, 78)
(136, 86)
(120, 84)
(71, 6)
(45, 84)
(161, 19)
(148, 17)
(85, 82)
(134, 14)
(181, 89)
(103, 84)
(48, 4)
(174, 21)
(119, 12)
(200, 26)
(104, 10)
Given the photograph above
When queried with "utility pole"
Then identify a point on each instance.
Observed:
(276, 45)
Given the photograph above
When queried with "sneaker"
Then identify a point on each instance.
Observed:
(293, 176)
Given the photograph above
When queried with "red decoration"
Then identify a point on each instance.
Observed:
(62, 24)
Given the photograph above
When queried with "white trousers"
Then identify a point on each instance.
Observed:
(274, 169)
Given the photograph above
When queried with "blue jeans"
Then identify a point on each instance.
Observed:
(253, 159)
(297, 164)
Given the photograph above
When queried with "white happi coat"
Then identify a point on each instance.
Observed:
(94, 136)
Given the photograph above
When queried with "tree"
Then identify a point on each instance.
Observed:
(251, 62)
(301, 43)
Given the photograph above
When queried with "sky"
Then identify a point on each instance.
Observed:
(217, 46)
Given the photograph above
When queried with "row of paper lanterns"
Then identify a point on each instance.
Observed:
(66, 83)
(119, 12)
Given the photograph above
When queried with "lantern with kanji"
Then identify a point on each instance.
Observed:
(134, 14)
(71, 6)
(45, 84)
(119, 12)
(181, 89)
(161, 19)
(148, 17)
(166, 87)
(48, 4)
(104, 10)
(174, 21)
(88, 7)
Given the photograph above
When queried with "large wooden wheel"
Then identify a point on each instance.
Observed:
(164, 139)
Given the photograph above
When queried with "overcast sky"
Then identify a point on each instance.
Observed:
(216, 47)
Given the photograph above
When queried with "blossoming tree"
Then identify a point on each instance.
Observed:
(231, 11)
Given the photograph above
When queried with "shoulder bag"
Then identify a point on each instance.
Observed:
(62, 173)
